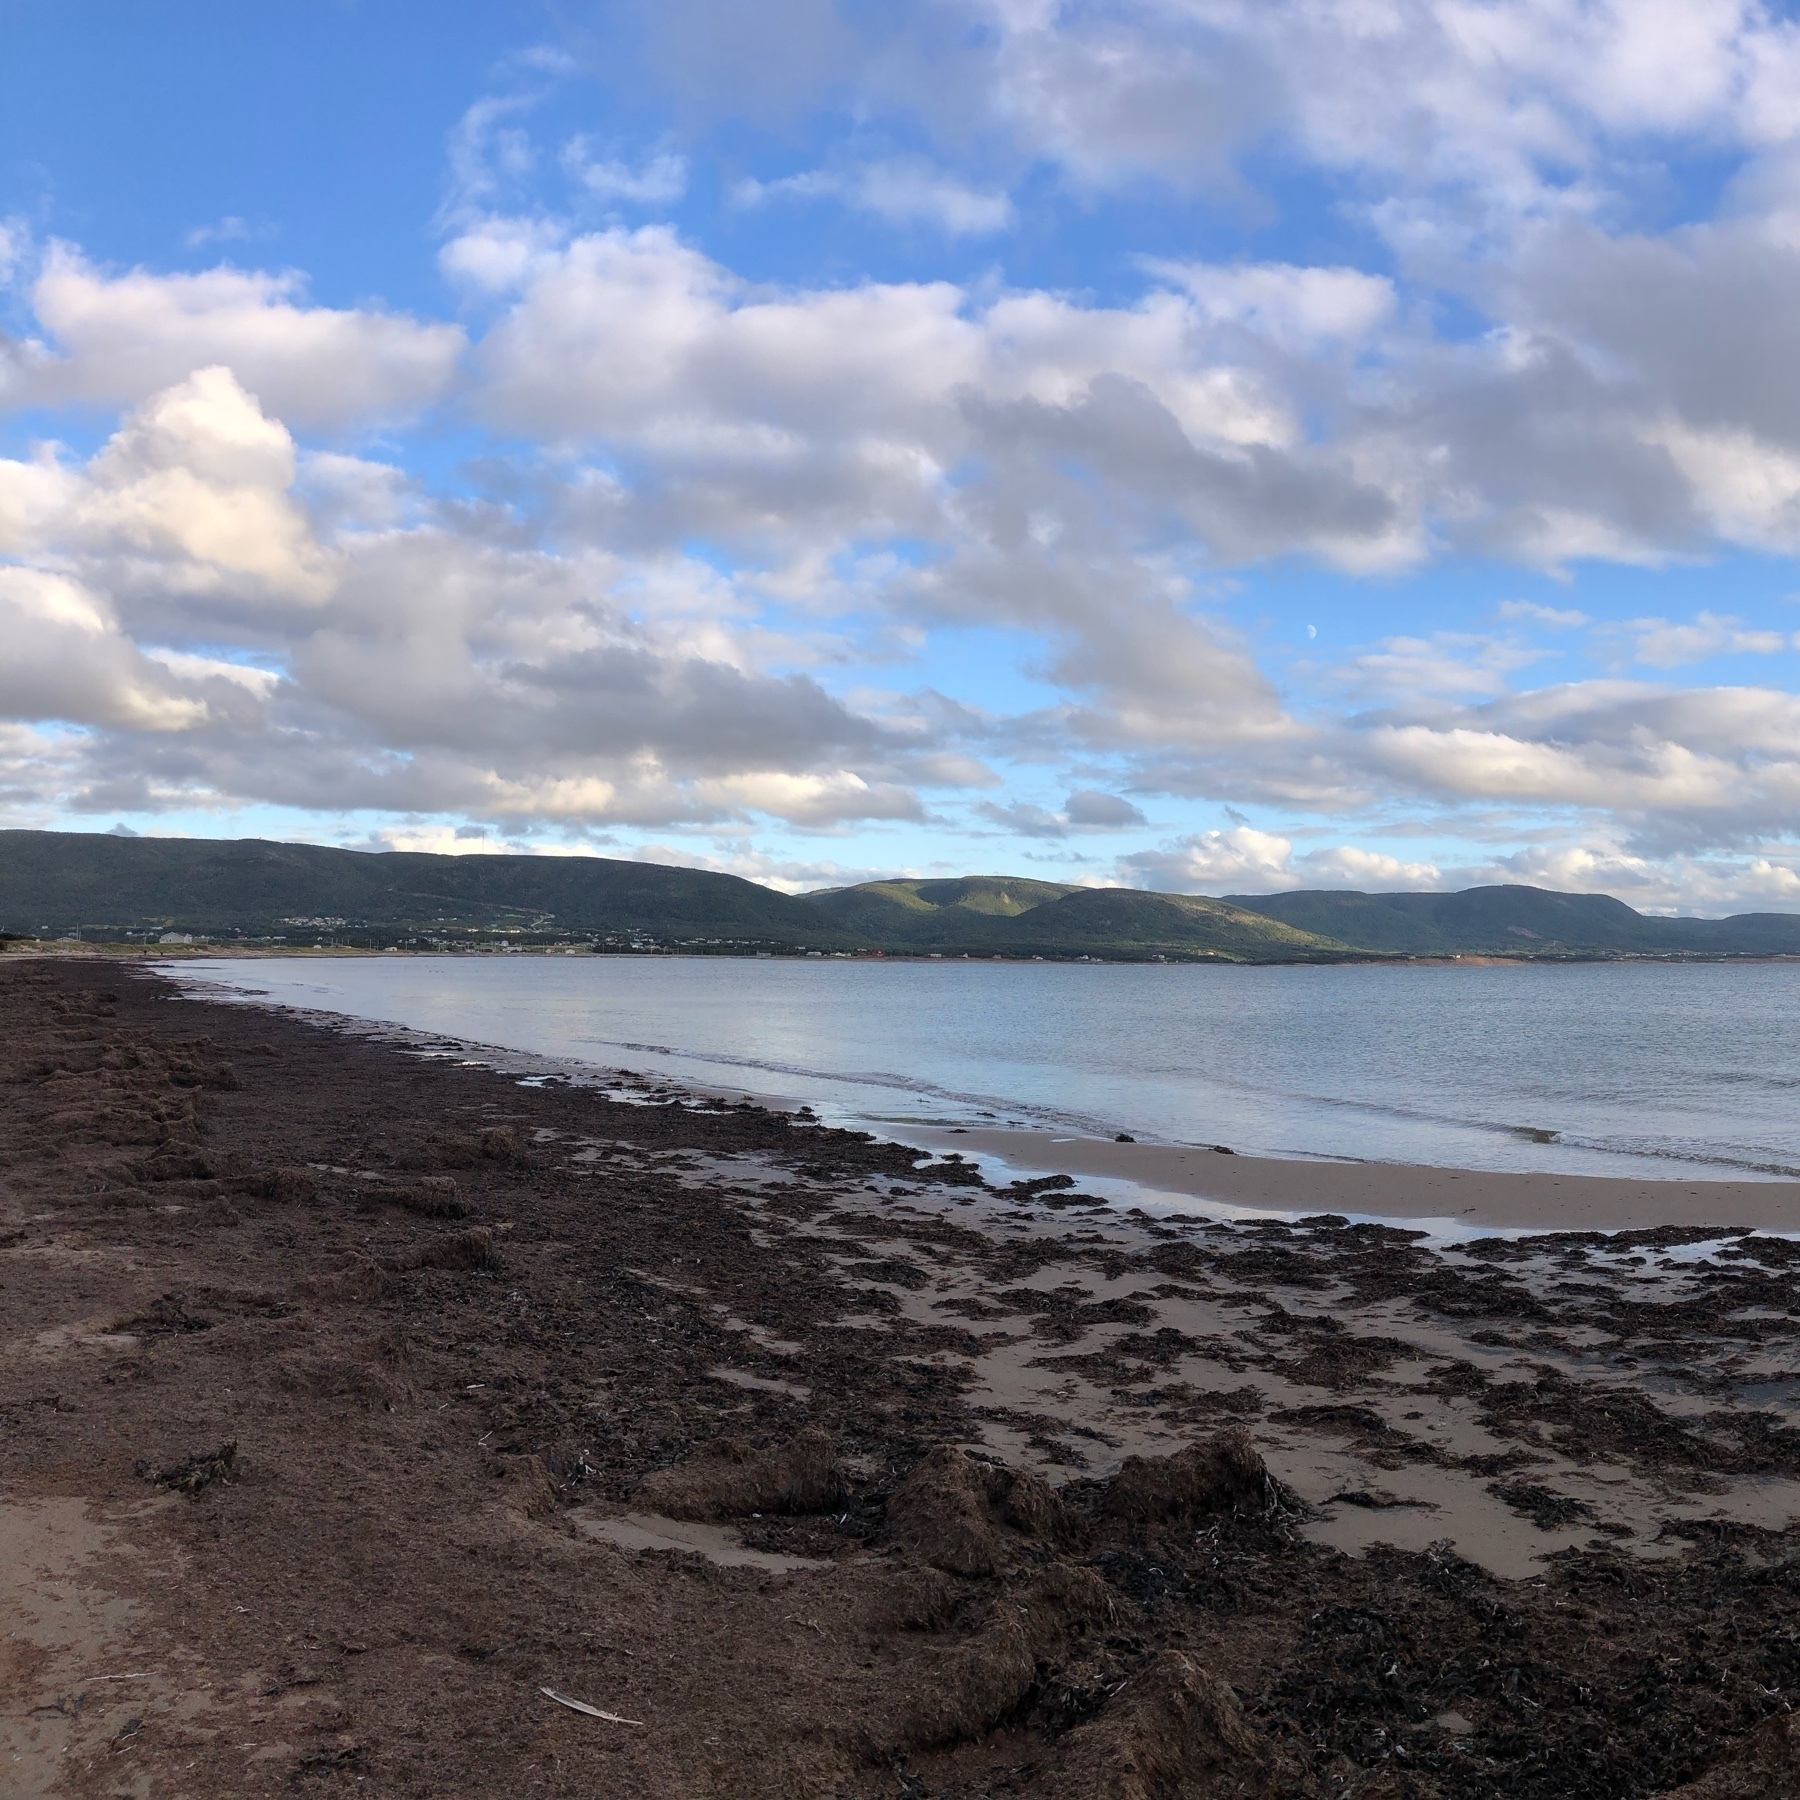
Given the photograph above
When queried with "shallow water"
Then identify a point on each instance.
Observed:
(1623, 1069)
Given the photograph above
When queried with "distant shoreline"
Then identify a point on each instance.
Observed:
(1396, 960)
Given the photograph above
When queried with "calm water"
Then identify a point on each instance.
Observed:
(1651, 1070)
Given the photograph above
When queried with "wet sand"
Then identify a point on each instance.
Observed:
(361, 1406)
(1401, 1192)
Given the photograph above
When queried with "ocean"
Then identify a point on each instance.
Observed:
(1636, 1069)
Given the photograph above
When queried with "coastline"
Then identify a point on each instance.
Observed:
(1399, 1193)
(1451, 1198)
(356, 1396)
(226, 948)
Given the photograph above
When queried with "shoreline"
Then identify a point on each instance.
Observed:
(355, 1397)
(1161, 1175)
(1473, 959)
(1398, 1193)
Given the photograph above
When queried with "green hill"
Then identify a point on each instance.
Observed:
(55, 883)
(992, 915)
(1520, 921)
(971, 911)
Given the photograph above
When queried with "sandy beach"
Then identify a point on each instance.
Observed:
(1402, 1192)
(373, 1416)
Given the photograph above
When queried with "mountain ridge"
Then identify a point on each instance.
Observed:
(260, 891)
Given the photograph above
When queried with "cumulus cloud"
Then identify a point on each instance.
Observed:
(112, 340)
(709, 495)
(1517, 99)
(67, 661)
(188, 498)
(1631, 399)
(1041, 446)
(1244, 860)
(408, 664)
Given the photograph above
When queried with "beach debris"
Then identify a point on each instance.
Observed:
(1043, 1184)
(1223, 1475)
(187, 1072)
(1760, 1766)
(195, 1472)
(1171, 1727)
(1124, 1137)
(175, 1165)
(950, 1510)
(287, 1186)
(922, 1599)
(1376, 1500)
(982, 1679)
(730, 1479)
(436, 1196)
(1223, 1150)
(1544, 1507)
(332, 1759)
(977, 1684)
(167, 1316)
(471, 1249)
(581, 1706)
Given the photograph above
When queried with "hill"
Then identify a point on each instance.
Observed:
(988, 915)
(1519, 921)
(55, 883)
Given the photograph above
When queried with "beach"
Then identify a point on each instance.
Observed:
(1407, 1193)
(365, 1407)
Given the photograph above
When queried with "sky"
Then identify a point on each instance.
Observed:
(1217, 446)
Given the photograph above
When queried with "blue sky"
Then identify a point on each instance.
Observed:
(1186, 443)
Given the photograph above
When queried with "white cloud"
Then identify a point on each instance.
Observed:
(1667, 643)
(1747, 485)
(67, 661)
(658, 181)
(189, 496)
(115, 339)
(1371, 870)
(1703, 885)
(426, 670)
(904, 192)
(187, 666)
(1243, 860)
(1708, 764)
(229, 230)
(494, 255)
(1407, 669)
(1551, 618)
(1300, 310)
